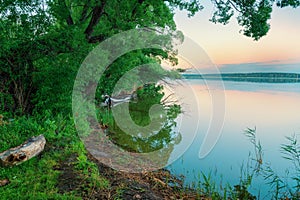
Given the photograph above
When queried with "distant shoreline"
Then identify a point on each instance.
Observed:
(274, 77)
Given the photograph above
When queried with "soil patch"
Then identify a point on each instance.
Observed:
(151, 185)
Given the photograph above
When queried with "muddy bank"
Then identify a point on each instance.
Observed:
(155, 185)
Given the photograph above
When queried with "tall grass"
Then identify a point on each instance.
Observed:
(281, 186)
(286, 186)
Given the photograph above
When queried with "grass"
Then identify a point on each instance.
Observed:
(38, 178)
(281, 186)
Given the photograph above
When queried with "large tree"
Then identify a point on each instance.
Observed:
(39, 33)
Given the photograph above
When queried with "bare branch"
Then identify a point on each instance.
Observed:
(234, 6)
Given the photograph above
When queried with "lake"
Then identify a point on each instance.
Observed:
(272, 108)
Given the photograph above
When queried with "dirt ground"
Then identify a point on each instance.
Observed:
(151, 185)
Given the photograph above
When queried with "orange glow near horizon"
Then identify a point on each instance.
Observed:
(225, 45)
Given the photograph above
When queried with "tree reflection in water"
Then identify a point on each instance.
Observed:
(162, 138)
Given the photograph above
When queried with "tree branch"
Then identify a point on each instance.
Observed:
(69, 17)
(95, 39)
(234, 6)
(97, 13)
(84, 13)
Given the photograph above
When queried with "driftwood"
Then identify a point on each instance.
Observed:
(4, 182)
(117, 101)
(30, 148)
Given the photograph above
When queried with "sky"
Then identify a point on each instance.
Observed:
(231, 51)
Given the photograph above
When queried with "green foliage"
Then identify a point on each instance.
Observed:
(16, 132)
(47, 40)
(253, 16)
(46, 29)
(38, 178)
(23, 28)
(54, 79)
(43, 43)
(254, 19)
(128, 64)
(54, 129)
(209, 186)
(86, 167)
(192, 6)
(150, 93)
(164, 138)
(223, 12)
(285, 3)
(39, 169)
(39, 35)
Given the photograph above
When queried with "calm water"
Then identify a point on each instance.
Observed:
(274, 109)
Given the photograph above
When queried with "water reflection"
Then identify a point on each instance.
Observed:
(273, 109)
(139, 127)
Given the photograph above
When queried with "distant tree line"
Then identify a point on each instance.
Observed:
(274, 77)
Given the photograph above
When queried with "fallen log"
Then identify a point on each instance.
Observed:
(30, 148)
